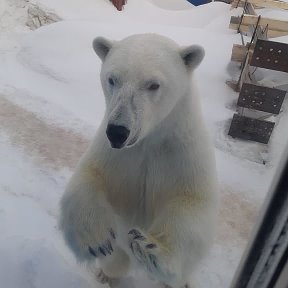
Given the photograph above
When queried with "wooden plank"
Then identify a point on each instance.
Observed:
(263, 3)
(238, 53)
(273, 24)
(270, 55)
(251, 129)
(276, 28)
(261, 98)
(234, 24)
(249, 9)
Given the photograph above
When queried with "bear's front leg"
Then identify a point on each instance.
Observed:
(88, 227)
(87, 220)
(176, 241)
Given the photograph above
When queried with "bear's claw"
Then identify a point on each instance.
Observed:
(103, 249)
(136, 234)
(149, 252)
(92, 251)
(144, 250)
(112, 233)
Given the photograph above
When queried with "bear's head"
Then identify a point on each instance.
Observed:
(143, 78)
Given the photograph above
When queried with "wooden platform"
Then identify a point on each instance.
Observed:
(261, 98)
(246, 128)
(270, 55)
(258, 52)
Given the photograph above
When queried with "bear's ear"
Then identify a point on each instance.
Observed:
(102, 46)
(192, 56)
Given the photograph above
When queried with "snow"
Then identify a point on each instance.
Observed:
(172, 4)
(51, 104)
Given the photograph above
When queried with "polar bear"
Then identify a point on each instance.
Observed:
(145, 192)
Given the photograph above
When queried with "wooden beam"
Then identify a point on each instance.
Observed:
(249, 9)
(276, 28)
(234, 24)
(263, 3)
(270, 33)
(273, 24)
(239, 53)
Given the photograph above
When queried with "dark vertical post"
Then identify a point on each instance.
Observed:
(261, 262)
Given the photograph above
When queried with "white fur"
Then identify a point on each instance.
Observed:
(163, 181)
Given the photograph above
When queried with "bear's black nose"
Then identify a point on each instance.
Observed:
(117, 135)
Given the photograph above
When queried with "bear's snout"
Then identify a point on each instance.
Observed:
(117, 135)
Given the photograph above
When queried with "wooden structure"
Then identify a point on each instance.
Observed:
(276, 28)
(261, 98)
(270, 55)
(262, 3)
(119, 4)
(247, 128)
(258, 53)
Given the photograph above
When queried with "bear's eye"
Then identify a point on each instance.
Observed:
(111, 81)
(153, 86)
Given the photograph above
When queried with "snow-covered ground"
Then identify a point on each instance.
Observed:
(51, 103)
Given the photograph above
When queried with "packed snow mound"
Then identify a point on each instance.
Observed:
(37, 17)
(20, 15)
(51, 102)
(37, 265)
(172, 4)
(66, 5)
(140, 11)
(12, 15)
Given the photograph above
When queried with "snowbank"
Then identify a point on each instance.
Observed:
(172, 4)
(51, 102)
